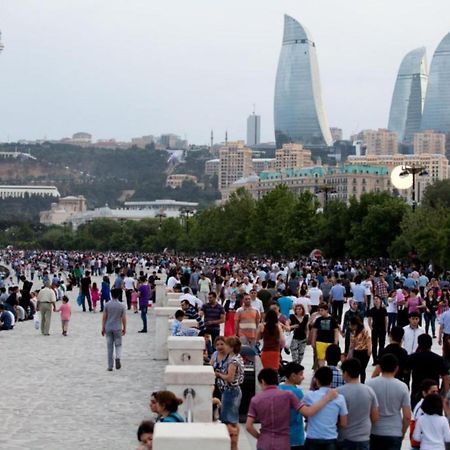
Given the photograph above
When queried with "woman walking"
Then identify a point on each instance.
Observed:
(231, 394)
(431, 306)
(360, 345)
(299, 323)
(273, 340)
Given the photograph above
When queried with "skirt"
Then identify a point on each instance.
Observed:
(270, 360)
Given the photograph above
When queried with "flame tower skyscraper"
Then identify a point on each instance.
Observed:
(299, 113)
(405, 116)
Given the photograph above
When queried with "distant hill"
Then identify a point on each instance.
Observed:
(102, 175)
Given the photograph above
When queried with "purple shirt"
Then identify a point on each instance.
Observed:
(272, 407)
(144, 291)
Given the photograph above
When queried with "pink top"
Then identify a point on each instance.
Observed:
(65, 311)
(95, 295)
(413, 303)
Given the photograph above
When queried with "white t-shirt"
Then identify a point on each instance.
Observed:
(304, 301)
(204, 284)
(192, 299)
(432, 432)
(392, 305)
(129, 283)
(314, 295)
(368, 286)
(171, 282)
(258, 305)
(410, 338)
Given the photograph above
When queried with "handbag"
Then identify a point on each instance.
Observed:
(79, 300)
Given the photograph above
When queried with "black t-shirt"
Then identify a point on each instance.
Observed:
(325, 329)
(85, 282)
(378, 317)
(402, 356)
(300, 332)
(425, 365)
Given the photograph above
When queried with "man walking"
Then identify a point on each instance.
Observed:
(144, 293)
(394, 407)
(46, 303)
(85, 290)
(213, 315)
(247, 321)
(272, 408)
(362, 405)
(114, 326)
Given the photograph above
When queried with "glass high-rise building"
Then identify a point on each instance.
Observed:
(436, 112)
(405, 116)
(299, 113)
(253, 129)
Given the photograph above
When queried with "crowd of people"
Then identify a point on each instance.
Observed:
(281, 310)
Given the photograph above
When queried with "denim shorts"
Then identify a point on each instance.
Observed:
(231, 400)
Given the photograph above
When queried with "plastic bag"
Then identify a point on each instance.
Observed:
(80, 299)
(37, 321)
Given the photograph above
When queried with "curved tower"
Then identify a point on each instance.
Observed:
(436, 111)
(405, 116)
(299, 114)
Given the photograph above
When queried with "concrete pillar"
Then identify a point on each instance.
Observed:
(191, 436)
(201, 380)
(173, 295)
(173, 302)
(185, 350)
(162, 315)
(160, 297)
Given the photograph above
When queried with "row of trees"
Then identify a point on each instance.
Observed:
(280, 223)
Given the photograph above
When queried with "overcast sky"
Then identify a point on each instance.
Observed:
(125, 68)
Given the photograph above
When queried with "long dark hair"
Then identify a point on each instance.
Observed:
(271, 322)
(359, 325)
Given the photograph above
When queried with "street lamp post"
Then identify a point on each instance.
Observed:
(185, 212)
(414, 171)
(326, 189)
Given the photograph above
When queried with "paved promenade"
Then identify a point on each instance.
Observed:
(57, 394)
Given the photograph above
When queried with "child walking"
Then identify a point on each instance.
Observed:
(432, 430)
(66, 311)
(95, 296)
(134, 300)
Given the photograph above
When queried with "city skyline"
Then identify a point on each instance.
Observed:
(121, 72)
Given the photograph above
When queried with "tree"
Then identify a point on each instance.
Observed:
(437, 194)
(375, 224)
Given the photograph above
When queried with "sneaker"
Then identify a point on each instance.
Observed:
(109, 369)
(118, 365)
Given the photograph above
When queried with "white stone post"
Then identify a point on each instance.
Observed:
(191, 436)
(185, 350)
(198, 378)
(162, 315)
(160, 297)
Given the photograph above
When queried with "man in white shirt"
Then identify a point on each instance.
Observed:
(192, 299)
(304, 301)
(412, 333)
(257, 304)
(129, 287)
(204, 288)
(315, 296)
(172, 282)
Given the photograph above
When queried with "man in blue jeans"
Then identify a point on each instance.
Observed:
(394, 407)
